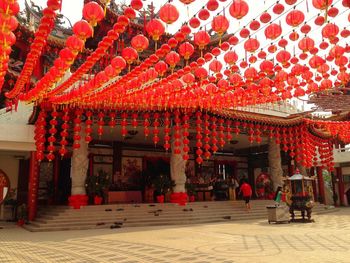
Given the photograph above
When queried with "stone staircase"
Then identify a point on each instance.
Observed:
(132, 215)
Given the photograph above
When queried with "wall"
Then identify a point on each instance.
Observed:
(10, 166)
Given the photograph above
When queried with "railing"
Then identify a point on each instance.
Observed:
(341, 155)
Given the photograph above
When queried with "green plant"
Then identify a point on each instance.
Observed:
(96, 185)
(162, 184)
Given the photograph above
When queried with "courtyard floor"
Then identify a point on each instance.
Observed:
(326, 240)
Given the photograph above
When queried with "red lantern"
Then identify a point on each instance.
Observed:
(139, 42)
(215, 66)
(220, 24)
(118, 63)
(136, 4)
(330, 31)
(129, 54)
(161, 67)
(239, 9)
(93, 13)
(230, 57)
(251, 45)
(265, 18)
(186, 50)
(75, 44)
(82, 29)
(283, 57)
(168, 13)
(155, 29)
(278, 8)
(201, 39)
(291, 2)
(322, 4)
(212, 5)
(273, 31)
(203, 14)
(306, 44)
(172, 59)
(194, 22)
(295, 18)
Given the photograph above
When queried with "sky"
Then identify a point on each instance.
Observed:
(72, 10)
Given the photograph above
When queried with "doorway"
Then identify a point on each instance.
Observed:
(64, 184)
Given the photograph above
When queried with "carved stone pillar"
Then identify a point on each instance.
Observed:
(275, 163)
(79, 166)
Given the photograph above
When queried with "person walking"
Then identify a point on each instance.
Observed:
(246, 191)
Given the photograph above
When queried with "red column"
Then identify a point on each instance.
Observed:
(33, 186)
(321, 183)
(340, 185)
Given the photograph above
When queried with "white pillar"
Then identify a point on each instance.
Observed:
(275, 163)
(79, 166)
(178, 167)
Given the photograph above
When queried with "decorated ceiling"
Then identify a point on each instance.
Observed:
(228, 54)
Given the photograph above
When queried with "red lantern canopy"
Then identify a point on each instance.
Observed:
(273, 31)
(295, 18)
(93, 13)
(168, 13)
(239, 9)
(139, 42)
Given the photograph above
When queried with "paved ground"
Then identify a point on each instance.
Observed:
(327, 240)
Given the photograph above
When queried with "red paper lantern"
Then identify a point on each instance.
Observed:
(136, 4)
(295, 18)
(93, 13)
(201, 39)
(322, 4)
(212, 5)
(273, 31)
(155, 29)
(265, 18)
(278, 8)
(168, 13)
(306, 44)
(239, 9)
(118, 63)
(220, 24)
(83, 29)
(203, 14)
(291, 2)
(230, 57)
(139, 42)
(186, 50)
(172, 59)
(330, 31)
(251, 45)
(129, 54)
(194, 22)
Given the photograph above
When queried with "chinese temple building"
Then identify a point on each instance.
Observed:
(120, 108)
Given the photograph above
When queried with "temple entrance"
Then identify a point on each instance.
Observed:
(64, 183)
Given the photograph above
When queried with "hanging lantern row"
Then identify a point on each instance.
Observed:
(47, 23)
(82, 30)
(340, 129)
(296, 140)
(8, 24)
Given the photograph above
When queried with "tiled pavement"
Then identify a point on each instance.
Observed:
(327, 240)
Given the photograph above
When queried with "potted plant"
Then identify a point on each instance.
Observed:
(162, 184)
(191, 191)
(96, 186)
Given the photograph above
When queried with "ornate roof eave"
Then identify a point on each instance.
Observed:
(291, 120)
